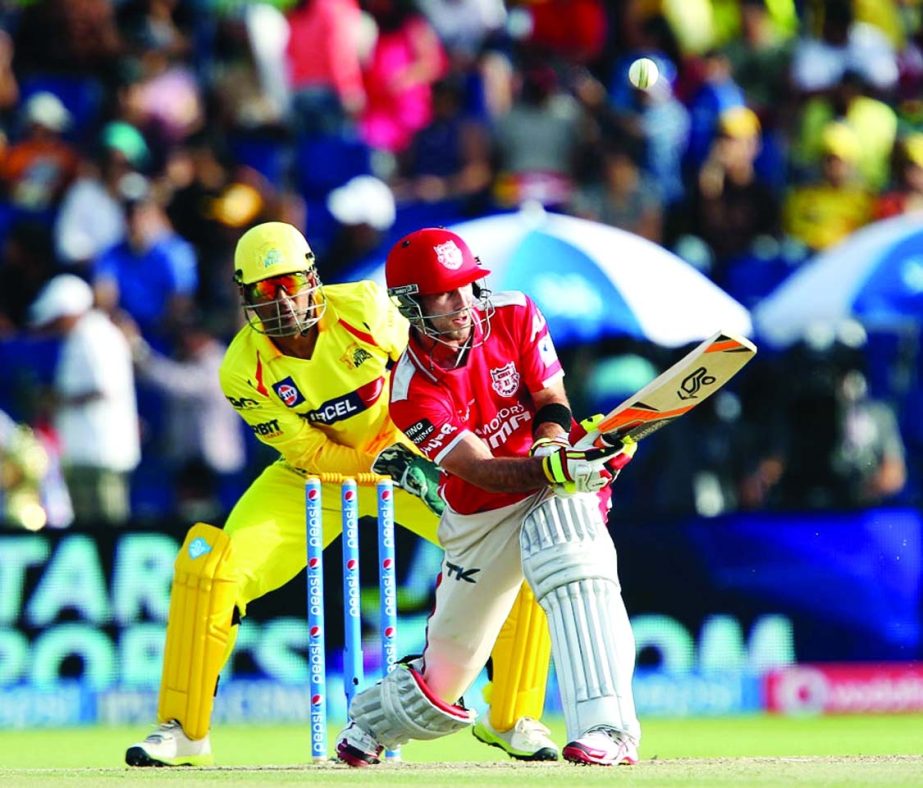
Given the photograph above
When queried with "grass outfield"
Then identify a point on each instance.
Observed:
(880, 750)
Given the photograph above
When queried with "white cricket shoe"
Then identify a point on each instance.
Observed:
(527, 740)
(169, 745)
(357, 748)
(602, 746)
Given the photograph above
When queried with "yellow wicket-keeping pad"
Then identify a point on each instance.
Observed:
(521, 657)
(198, 628)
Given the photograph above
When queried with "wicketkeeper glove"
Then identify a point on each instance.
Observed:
(411, 472)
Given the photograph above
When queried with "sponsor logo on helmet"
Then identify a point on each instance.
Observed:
(271, 258)
(449, 255)
(505, 380)
(288, 392)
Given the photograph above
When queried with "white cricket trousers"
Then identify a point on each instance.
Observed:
(481, 576)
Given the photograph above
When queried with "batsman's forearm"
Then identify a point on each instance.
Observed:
(508, 474)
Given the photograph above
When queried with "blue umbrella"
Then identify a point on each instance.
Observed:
(875, 276)
(593, 281)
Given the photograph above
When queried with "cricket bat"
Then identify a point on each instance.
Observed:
(692, 379)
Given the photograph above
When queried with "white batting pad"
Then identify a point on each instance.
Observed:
(569, 561)
(400, 707)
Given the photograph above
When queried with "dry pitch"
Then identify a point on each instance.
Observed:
(742, 751)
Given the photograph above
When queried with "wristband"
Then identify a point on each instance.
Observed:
(555, 413)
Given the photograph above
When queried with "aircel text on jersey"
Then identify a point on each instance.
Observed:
(501, 426)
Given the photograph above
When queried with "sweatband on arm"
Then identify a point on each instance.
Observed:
(555, 413)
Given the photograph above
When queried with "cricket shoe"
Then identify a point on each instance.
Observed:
(602, 746)
(169, 745)
(527, 740)
(357, 748)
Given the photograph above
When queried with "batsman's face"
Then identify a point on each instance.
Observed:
(449, 314)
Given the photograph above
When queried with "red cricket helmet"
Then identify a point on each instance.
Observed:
(428, 261)
(432, 261)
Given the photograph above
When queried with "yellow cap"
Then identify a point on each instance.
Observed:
(838, 139)
(271, 249)
(913, 144)
(739, 122)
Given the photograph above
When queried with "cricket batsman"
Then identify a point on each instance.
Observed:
(309, 375)
(480, 391)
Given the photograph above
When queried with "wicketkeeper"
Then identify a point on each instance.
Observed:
(308, 374)
(480, 391)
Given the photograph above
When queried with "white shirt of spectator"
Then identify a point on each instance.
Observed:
(90, 221)
(102, 432)
(817, 65)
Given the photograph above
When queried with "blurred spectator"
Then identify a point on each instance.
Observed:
(406, 60)
(448, 159)
(824, 211)
(717, 93)
(152, 274)
(153, 26)
(364, 209)
(760, 57)
(324, 57)
(86, 39)
(841, 43)
(873, 122)
(37, 169)
(93, 400)
(465, 26)
(842, 448)
(90, 218)
(212, 201)
(162, 97)
(659, 120)
(9, 85)
(536, 143)
(907, 194)
(26, 263)
(201, 439)
(570, 30)
(623, 197)
(729, 207)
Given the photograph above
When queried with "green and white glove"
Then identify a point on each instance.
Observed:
(411, 472)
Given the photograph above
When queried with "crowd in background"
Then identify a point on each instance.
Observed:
(140, 138)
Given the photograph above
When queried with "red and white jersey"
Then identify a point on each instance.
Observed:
(490, 396)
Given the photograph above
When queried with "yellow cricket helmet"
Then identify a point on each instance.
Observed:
(271, 249)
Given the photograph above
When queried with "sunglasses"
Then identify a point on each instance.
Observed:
(267, 290)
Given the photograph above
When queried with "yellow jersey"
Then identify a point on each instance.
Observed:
(329, 413)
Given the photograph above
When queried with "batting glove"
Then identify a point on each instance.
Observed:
(579, 470)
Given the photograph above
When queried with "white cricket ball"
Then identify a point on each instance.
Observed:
(643, 73)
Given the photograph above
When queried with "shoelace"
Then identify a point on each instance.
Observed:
(164, 730)
(527, 725)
